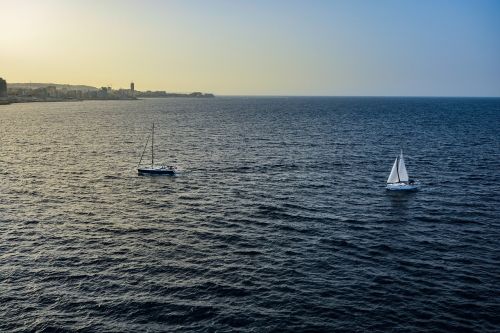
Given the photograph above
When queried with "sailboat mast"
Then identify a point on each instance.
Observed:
(143, 151)
(152, 150)
(397, 170)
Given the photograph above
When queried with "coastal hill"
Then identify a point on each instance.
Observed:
(88, 89)
(57, 85)
(54, 92)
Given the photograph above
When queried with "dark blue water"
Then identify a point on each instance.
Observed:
(279, 220)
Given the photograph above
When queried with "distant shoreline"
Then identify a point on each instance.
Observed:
(9, 101)
(54, 92)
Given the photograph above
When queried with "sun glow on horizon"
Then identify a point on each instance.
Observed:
(258, 48)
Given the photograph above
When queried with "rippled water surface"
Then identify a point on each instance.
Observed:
(279, 220)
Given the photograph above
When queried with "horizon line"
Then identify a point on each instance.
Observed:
(364, 96)
(278, 95)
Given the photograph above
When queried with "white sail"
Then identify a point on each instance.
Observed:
(403, 174)
(393, 177)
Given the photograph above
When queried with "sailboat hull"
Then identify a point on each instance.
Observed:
(401, 187)
(156, 171)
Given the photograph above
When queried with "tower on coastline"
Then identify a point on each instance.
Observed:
(3, 88)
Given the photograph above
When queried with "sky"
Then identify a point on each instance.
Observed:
(257, 47)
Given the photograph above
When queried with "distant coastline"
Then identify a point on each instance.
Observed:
(52, 92)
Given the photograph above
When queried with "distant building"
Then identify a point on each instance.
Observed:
(103, 93)
(51, 91)
(3, 88)
(132, 89)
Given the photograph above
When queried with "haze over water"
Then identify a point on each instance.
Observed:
(316, 47)
(279, 220)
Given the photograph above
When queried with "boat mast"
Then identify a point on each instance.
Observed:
(152, 150)
(143, 151)
(397, 169)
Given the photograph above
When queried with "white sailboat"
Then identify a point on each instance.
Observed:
(398, 179)
(154, 170)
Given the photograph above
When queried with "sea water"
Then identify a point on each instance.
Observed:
(278, 221)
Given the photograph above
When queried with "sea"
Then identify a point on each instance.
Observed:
(278, 220)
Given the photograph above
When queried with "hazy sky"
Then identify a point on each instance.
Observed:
(252, 47)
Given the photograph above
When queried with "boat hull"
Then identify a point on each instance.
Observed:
(156, 171)
(401, 187)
